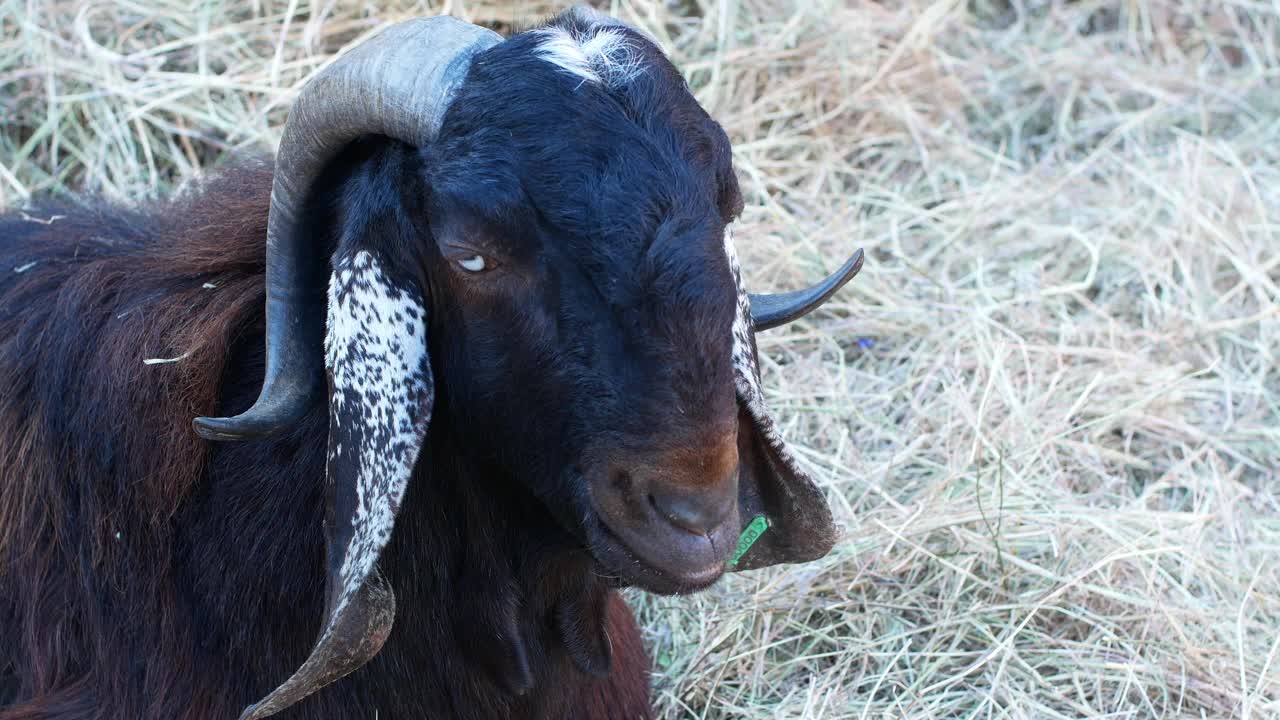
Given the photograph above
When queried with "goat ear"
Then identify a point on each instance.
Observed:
(380, 397)
(771, 483)
(799, 527)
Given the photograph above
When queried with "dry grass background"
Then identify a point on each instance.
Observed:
(1047, 413)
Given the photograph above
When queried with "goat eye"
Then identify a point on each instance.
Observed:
(475, 264)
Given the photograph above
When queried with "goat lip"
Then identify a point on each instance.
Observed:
(702, 578)
(621, 558)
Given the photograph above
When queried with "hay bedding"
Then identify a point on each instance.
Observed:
(1047, 413)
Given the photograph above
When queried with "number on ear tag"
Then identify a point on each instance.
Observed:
(750, 534)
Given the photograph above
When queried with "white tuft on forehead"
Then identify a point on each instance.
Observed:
(606, 57)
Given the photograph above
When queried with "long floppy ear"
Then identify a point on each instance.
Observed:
(797, 524)
(372, 352)
(380, 398)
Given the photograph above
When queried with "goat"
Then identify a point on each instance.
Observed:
(473, 352)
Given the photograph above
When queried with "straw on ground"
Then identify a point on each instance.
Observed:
(1047, 413)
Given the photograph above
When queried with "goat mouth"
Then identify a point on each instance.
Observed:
(629, 566)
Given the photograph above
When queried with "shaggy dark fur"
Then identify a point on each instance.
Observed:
(145, 573)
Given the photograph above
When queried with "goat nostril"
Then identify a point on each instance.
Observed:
(698, 518)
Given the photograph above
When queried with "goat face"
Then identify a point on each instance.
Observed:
(578, 228)
(551, 256)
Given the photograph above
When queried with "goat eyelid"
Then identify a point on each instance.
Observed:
(470, 259)
(474, 263)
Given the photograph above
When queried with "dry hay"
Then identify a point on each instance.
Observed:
(1048, 413)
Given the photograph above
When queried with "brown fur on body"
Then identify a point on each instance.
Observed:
(145, 573)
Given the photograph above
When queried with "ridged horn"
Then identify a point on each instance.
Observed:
(771, 310)
(397, 84)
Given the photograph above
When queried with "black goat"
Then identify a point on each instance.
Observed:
(509, 264)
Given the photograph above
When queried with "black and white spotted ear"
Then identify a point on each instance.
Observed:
(399, 85)
(771, 483)
(380, 398)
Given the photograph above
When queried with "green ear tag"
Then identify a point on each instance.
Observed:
(750, 534)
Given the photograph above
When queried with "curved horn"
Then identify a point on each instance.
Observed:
(397, 84)
(770, 311)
